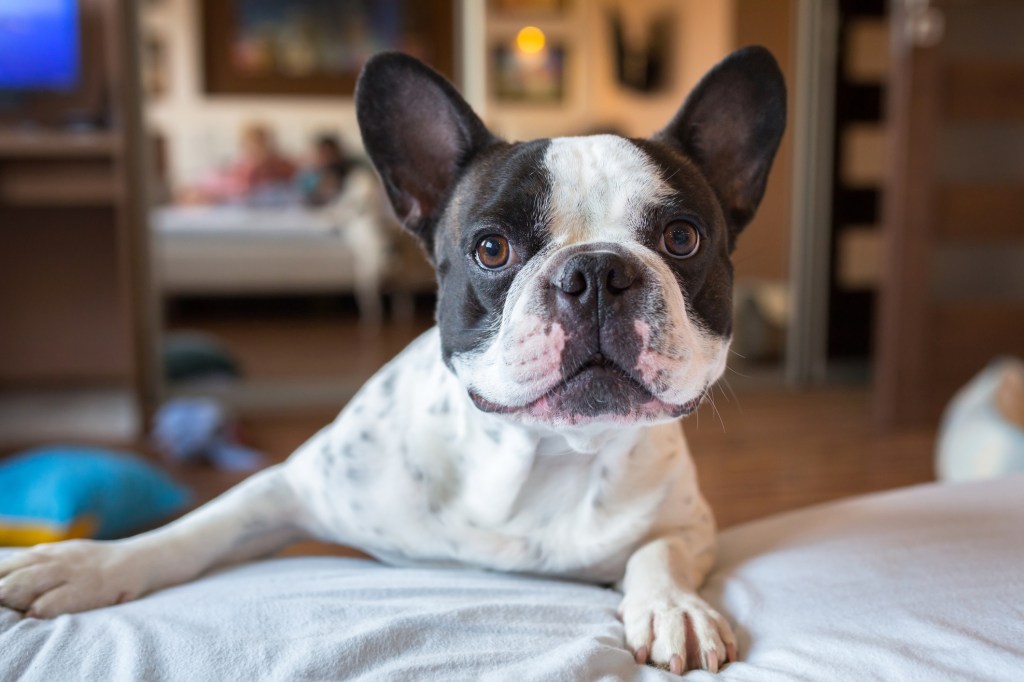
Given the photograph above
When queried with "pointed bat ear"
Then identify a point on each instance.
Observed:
(730, 125)
(419, 133)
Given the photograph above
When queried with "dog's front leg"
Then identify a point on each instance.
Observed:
(253, 519)
(665, 620)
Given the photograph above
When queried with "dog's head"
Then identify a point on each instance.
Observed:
(582, 280)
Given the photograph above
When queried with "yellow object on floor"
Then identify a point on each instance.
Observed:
(15, 534)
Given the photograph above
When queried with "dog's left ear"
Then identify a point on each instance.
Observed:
(419, 133)
(730, 125)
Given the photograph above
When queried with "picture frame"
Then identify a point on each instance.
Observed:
(316, 47)
(528, 79)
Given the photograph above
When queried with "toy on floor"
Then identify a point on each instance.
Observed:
(982, 434)
(64, 491)
(199, 430)
(192, 356)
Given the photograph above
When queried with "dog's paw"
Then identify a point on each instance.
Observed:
(67, 577)
(677, 630)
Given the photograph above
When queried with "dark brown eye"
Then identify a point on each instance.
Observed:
(680, 239)
(493, 252)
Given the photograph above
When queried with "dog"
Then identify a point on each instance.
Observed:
(584, 307)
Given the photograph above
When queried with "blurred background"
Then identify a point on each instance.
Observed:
(197, 264)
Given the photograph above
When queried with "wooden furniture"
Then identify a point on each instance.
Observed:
(76, 353)
(953, 289)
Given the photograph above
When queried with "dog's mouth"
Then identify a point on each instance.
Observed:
(599, 389)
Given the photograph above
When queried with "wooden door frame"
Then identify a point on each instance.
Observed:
(908, 214)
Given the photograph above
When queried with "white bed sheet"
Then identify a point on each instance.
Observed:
(925, 583)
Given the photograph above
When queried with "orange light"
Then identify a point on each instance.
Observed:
(530, 39)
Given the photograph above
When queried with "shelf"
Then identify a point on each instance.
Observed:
(52, 144)
(99, 193)
(59, 181)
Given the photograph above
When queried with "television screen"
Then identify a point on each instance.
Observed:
(39, 45)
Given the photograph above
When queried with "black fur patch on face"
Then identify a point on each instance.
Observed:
(706, 278)
(503, 193)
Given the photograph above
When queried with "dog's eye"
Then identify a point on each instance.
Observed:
(680, 239)
(493, 252)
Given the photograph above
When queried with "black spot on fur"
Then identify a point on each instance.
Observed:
(387, 386)
(441, 407)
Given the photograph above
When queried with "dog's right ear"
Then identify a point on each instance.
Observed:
(420, 135)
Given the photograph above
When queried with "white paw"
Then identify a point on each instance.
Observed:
(67, 577)
(677, 630)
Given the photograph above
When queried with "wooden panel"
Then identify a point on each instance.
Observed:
(60, 312)
(902, 332)
(58, 144)
(79, 182)
(980, 212)
(983, 91)
(967, 337)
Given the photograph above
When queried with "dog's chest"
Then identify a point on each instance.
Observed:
(412, 473)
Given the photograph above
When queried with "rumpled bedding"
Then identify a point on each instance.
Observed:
(924, 583)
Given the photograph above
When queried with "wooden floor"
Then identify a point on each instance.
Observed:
(769, 450)
(760, 448)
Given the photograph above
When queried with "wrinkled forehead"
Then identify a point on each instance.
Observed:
(564, 190)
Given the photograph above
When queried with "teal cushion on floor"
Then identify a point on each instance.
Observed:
(65, 491)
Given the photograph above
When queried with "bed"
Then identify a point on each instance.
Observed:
(924, 583)
(350, 246)
(233, 250)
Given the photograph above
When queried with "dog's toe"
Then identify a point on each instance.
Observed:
(66, 577)
(678, 631)
(19, 589)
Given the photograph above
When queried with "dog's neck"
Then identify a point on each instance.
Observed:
(496, 479)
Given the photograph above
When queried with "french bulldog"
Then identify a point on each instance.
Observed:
(584, 307)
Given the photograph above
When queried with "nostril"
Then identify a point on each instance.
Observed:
(620, 278)
(573, 282)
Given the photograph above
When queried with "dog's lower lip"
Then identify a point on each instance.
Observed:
(598, 362)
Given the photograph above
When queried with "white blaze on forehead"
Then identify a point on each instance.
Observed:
(601, 185)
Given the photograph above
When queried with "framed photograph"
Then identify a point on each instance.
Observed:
(316, 47)
(528, 78)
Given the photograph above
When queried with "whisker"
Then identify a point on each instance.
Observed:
(735, 398)
(711, 399)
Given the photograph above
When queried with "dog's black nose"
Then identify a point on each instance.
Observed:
(596, 272)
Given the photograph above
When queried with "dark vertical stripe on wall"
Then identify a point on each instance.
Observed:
(851, 312)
